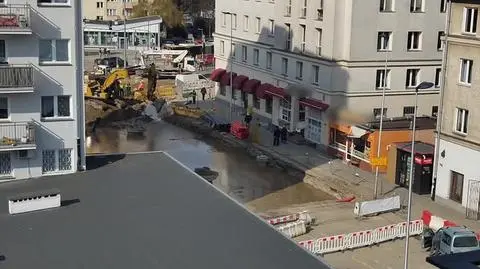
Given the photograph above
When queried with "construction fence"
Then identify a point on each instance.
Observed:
(342, 242)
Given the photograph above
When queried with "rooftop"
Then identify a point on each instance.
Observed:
(128, 21)
(140, 211)
(420, 147)
(402, 123)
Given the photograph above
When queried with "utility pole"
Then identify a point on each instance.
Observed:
(125, 38)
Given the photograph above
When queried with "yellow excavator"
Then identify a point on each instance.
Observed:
(109, 89)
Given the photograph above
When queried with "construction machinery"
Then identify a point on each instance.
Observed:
(109, 88)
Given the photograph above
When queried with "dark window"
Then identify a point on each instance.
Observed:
(376, 112)
(439, 40)
(63, 106)
(408, 110)
(268, 104)
(256, 102)
(434, 111)
(3, 108)
(456, 187)
(47, 106)
(301, 113)
(223, 90)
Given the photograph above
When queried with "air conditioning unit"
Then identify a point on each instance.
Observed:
(26, 154)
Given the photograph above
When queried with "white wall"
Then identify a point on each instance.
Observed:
(47, 23)
(461, 160)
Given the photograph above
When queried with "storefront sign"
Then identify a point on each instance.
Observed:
(423, 161)
(381, 161)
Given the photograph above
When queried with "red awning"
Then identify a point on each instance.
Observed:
(217, 74)
(262, 90)
(313, 103)
(239, 81)
(225, 80)
(275, 91)
(251, 86)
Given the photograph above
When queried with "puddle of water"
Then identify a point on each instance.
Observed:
(240, 176)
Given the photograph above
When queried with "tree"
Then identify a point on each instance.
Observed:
(171, 15)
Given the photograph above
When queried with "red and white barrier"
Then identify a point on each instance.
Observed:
(290, 218)
(341, 242)
(435, 222)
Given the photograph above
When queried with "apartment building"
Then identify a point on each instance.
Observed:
(106, 10)
(458, 177)
(41, 88)
(304, 62)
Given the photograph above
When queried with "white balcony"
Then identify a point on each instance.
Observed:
(16, 79)
(15, 20)
(17, 136)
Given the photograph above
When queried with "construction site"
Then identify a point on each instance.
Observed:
(319, 208)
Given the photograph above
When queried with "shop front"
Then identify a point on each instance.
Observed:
(314, 119)
(350, 143)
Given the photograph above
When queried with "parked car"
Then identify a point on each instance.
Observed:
(110, 62)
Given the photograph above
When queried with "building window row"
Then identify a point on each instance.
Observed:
(416, 6)
(414, 41)
(303, 12)
(412, 79)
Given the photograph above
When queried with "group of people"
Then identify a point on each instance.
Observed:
(280, 135)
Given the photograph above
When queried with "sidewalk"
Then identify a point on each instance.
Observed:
(321, 166)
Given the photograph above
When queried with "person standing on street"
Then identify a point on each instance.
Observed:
(284, 134)
(194, 97)
(276, 136)
(152, 81)
(203, 91)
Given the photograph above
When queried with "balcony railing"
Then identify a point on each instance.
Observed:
(15, 18)
(15, 77)
(17, 135)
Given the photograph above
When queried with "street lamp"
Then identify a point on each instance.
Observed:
(386, 43)
(203, 43)
(422, 86)
(231, 65)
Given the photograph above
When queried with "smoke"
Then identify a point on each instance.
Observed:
(348, 117)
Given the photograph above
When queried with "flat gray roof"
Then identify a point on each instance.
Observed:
(140, 211)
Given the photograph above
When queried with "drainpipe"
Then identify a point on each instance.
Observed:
(79, 85)
(440, 107)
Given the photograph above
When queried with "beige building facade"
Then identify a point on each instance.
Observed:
(107, 9)
(458, 177)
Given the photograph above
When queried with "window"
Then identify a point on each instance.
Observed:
(382, 79)
(234, 48)
(438, 73)
(54, 2)
(412, 78)
(303, 12)
(285, 110)
(258, 25)
(303, 37)
(99, 18)
(269, 60)
(384, 41)
(439, 40)
(434, 111)
(3, 52)
(245, 23)
(288, 41)
(386, 5)
(408, 111)
(256, 56)
(234, 21)
(271, 26)
(414, 40)
(315, 74)
(268, 104)
(466, 71)
(301, 112)
(320, 14)
(443, 6)
(222, 47)
(54, 51)
(224, 19)
(256, 101)
(99, 4)
(5, 163)
(244, 53)
(56, 160)
(223, 90)
(461, 122)
(56, 106)
(288, 8)
(416, 5)
(111, 12)
(319, 42)
(456, 187)
(299, 75)
(376, 112)
(285, 66)
(470, 16)
(4, 113)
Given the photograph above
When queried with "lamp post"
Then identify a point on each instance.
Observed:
(380, 131)
(422, 86)
(231, 66)
(203, 42)
(125, 38)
